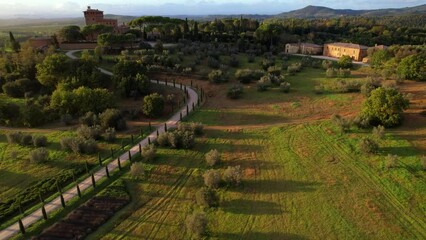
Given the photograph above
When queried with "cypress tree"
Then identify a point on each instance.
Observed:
(93, 181)
(43, 211)
(62, 201)
(21, 226)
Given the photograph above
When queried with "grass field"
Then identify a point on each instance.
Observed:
(302, 179)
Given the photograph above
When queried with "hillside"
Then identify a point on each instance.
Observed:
(324, 12)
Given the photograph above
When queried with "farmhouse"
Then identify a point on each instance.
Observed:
(303, 48)
(355, 51)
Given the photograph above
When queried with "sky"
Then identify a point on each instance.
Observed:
(74, 8)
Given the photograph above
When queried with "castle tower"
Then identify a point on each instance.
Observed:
(93, 16)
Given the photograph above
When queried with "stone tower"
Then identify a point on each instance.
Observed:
(93, 16)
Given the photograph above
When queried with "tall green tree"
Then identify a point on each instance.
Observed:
(14, 45)
(384, 107)
(52, 70)
(413, 67)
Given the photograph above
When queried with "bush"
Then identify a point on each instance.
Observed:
(331, 73)
(212, 178)
(391, 161)
(79, 145)
(233, 175)
(197, 224)
(385, 107)
(197, 128)
(89, 119)
(188, 140)
(294, 68)
(26, 140)
(341, 123)
(87, 132)
(368, 145)
(206, 197)
(40, 141)
(285, 87)
(327, 64)
(216, 76)
(110, 135)
(212, 157)
(153, 105)
(267, 63)
(39, 155)
(14, 137)
(137, 170)
(148, 152)
(379, 132)
(248, 75)
(163, 139)
(344, 73)
(275, 70)
(112, 118)
(233, 61)
(235, 92)
(66, 119)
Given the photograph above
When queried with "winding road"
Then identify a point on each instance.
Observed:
(87, 183)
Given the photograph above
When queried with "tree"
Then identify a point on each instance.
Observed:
(233, 175)
(379, 58)
(413, 67)
(112, 118)
(137, 170)
(153, 105)
(385, 107)
(212, 178)
(14, 45)
(206, 197)
(368, 145)
(70, 34)
(345, 61)
(212, 157)
(196, 224)
(216, 76)
(52, 70)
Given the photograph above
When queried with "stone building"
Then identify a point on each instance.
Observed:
(355, 51)
(95, 16)
(303, 48)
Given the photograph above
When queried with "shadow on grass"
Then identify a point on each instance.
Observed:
(252, 207)
(237, 135)
(399, 151)
(260, 235)
(230, 118)
(277, 186)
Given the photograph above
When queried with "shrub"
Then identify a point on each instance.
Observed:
(341, 123)
(188, 139)
(153, 105)
(285, 87)
(235, 92)
(275, 70)
(39, 155)
(344, 73)
(66, 119)
(391, 161)
(216, 76)
(163, 139)
(110, 135)
(89, 146)
(233, 175)
(212, 157)
(197, 128)
(331, 73)
(148, 152)
(212, 178)
(248, 75)
(26, 140)
(206, 197)
(379, 132)
(197, 224)
(266, 63)
(39, 141)
(14, 137)
(294, 68)
(175, 139)
(112, 118)
(327, 64)
(368, 145)
(233, 61)
(87, 132)
(89, 119)
(79, 145)
(137, 170)
(66, 143)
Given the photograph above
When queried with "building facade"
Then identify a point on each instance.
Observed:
(355, 51)
(303, 48)
(95, 16)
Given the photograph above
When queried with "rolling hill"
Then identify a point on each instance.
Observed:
(325, 12)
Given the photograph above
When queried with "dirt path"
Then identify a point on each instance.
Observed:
(87, 183)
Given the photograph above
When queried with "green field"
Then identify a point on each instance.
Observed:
(303, 179)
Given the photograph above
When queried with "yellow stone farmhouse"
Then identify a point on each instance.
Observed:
(356, 51)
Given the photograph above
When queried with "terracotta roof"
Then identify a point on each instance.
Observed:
(348, 45)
